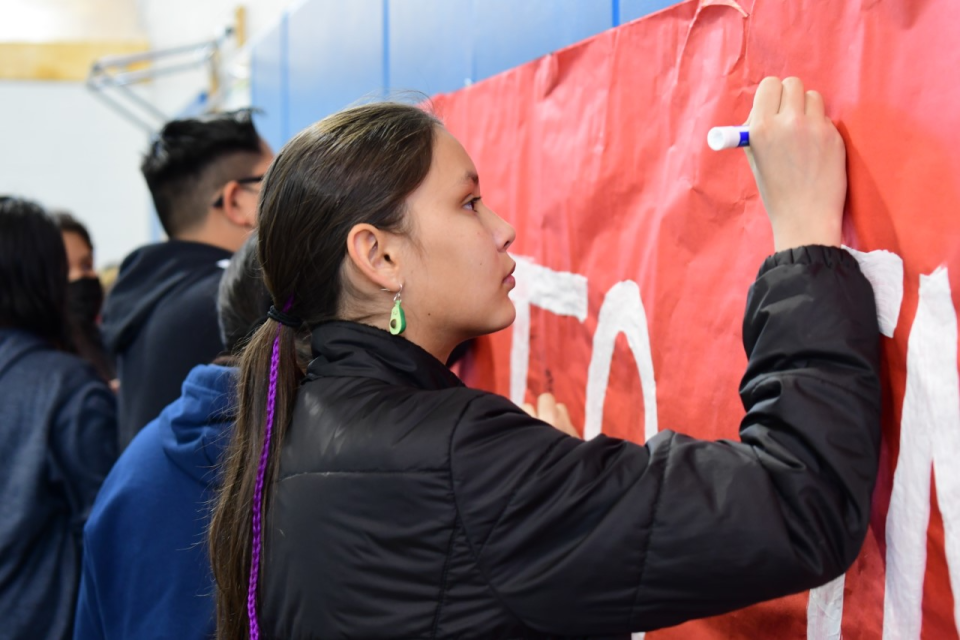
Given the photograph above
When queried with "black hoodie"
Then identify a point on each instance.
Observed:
(159, 321)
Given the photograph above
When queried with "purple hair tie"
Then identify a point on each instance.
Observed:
(262, 468)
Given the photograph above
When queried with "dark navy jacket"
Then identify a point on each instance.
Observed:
(160, 321)
(57, 442)
(146, 572)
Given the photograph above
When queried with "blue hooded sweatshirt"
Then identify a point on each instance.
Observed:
(146, 573)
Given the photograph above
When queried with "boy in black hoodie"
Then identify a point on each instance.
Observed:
(160, 319)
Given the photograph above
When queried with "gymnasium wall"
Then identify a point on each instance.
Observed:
(326, 54)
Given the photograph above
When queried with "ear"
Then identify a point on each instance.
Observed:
(375, 253)
(240, 205)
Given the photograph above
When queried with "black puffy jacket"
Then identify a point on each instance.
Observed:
(409, 506)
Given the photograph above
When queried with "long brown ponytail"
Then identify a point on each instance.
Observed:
(356, 166)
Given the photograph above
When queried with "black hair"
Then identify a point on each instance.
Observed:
(33, 271)
(356, 166)
(190, 160)
(69, 224)
(242, 304)
(243, 299)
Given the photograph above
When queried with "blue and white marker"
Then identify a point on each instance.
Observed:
(720, 138)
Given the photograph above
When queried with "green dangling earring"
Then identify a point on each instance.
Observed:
(398, 319)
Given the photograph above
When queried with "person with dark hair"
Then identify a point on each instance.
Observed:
(57, 429)
(146, 572)
(78, 243)
(84, 295)
(160, 317)
(377, 497)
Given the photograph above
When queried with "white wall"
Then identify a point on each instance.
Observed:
(172, 23)
(60, 146)
(63, 147)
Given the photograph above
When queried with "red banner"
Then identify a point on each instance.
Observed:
(638, 243)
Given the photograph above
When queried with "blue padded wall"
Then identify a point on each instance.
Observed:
(336, 57)
(327, 54)
(507, 33)
(268, 86)
(633, 9)
(430, 45)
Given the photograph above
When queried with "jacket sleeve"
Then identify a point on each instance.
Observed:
(609, 537)
(83, 443)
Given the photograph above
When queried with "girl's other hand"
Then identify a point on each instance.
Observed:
(553, 413)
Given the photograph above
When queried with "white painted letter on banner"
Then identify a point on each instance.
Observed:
(929, 437)
(622, 312)
(559, 292)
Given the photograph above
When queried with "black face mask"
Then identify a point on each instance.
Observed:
(84, 298)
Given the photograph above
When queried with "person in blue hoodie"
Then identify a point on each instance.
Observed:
(57, 430)
(146, 573)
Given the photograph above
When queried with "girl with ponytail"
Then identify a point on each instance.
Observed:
(374, 496)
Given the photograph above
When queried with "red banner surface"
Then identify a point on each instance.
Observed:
(637, 245)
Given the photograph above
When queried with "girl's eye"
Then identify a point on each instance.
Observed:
(472, 203)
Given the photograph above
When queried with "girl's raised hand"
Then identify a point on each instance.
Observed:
(799, 162)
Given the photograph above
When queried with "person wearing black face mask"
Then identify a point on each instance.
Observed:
(58, 426)
(84, 296)
(84, 299)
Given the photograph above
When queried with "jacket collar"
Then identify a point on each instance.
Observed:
(349, 349)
